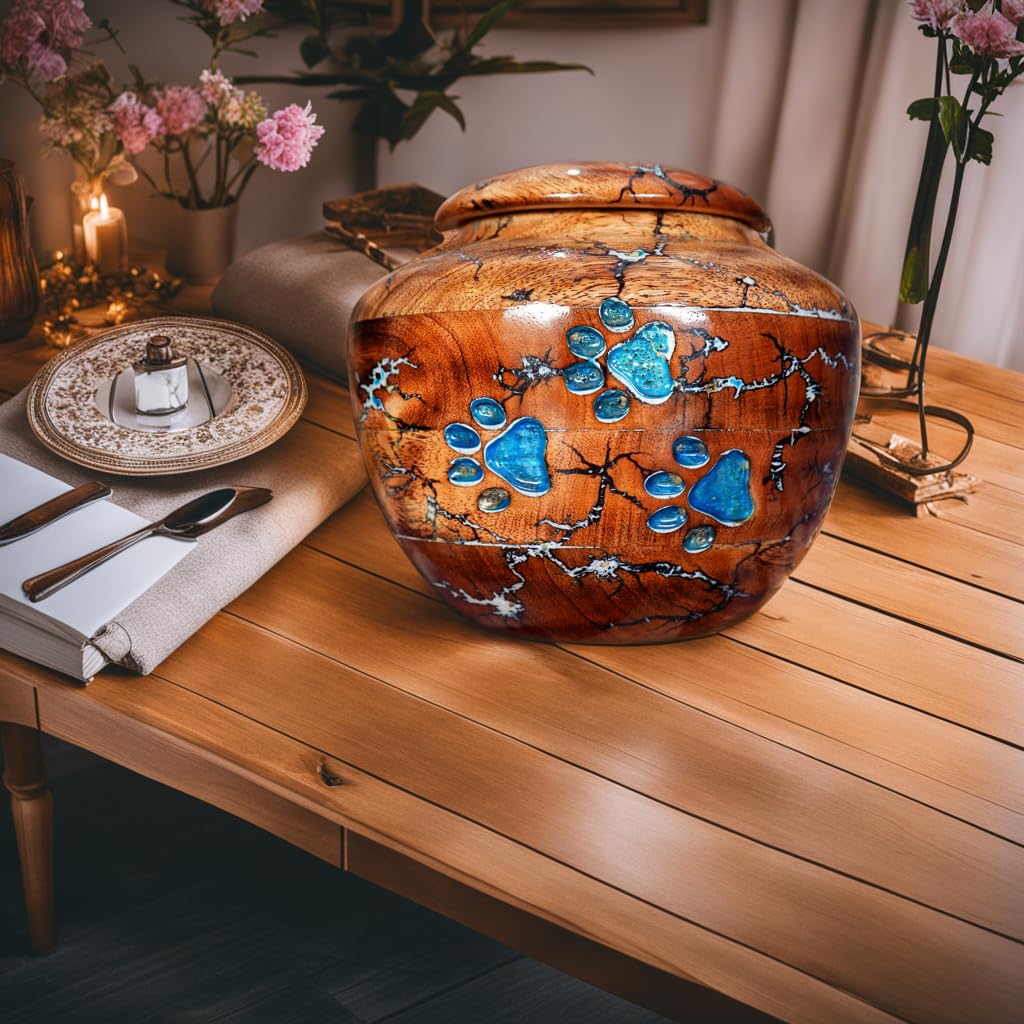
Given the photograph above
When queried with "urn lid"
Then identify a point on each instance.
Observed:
(600, 186)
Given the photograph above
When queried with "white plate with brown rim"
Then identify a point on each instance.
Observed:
(267, 396)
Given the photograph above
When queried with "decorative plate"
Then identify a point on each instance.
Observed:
(267, 385)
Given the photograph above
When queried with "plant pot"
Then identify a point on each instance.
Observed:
(604, 409)
(201, 243)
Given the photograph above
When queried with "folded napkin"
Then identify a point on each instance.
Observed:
(312, 472)
(301, 292)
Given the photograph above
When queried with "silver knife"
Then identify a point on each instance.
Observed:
(189, 522)
(52, 510)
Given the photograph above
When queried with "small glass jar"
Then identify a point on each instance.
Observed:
(161, 379)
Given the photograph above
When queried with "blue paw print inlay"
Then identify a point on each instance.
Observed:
(642, 364)
(516, 455)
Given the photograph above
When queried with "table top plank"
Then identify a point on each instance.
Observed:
(955, 549)
(442, 840)
(819, 813)
(994, 416)
(917, 595)
(904, 662)
(847, 933)
(673, 752)
(993, 510)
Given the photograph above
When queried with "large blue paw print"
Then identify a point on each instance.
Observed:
(722, 494)
(639, 362)
(516, 455)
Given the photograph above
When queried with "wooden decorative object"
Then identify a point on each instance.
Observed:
(604, 409)
(888, 461)
(400, 216)
(574, 14)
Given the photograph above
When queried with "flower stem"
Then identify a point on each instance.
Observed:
(197, 201)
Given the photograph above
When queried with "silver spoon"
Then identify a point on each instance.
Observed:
(188, 522)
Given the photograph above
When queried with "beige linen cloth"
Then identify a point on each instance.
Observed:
(312, 472)
(301, 293)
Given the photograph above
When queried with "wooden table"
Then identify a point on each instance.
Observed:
(817, 816)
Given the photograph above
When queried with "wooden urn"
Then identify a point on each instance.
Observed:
(604, 409)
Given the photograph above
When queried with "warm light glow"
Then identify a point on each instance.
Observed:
(94, 203)
(104, 208)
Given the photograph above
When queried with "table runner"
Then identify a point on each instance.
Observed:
(301, 291)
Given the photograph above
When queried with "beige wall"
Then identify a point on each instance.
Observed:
(769, 94)
(648, 101)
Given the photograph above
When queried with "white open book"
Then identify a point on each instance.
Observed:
(56, 631)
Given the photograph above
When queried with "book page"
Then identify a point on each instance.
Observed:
(84, 607)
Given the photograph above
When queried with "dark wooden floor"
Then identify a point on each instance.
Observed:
(169, 910)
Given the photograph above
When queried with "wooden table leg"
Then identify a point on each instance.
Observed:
(32, 810)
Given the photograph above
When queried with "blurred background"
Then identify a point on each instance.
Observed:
(802, 103)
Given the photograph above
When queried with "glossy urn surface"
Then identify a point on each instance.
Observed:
(604, 409)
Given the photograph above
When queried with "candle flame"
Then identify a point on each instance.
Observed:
(94, 203)
(104, 208)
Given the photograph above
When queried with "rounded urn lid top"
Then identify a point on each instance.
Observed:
(599, 186)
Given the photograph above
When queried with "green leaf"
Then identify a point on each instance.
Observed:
(415, 117)
(953, 121)
(922, 110)
(980, 145)
(486, 22)
(449, 106)
(510, 66)
(350, 94)
(914, 279)
(313, 49)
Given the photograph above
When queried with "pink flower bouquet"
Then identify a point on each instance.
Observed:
(210, 134)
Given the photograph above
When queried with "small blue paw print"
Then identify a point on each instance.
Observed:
(516, 455)
(639, 362)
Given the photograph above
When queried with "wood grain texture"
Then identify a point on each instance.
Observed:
(599, 186)
(621, 325)
(32, 811)
(818, 814)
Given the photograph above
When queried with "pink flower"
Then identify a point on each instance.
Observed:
(286, 139)
(180, 108)
(937, 13)
(987, 32)
(1014, 10)
(44, 63)
(67, 22)
(22, 30)
(135, 124)
(228, 11)
(41, 34)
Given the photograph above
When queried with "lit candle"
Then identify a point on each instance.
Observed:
(106, 237)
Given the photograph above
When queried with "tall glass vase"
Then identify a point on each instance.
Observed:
(19, 275)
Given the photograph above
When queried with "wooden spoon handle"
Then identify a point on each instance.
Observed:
(49, 582)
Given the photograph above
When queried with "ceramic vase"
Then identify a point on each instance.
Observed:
(604, 409)
(201, 243)
(19, 274)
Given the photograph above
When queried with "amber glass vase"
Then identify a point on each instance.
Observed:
(19, 275)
